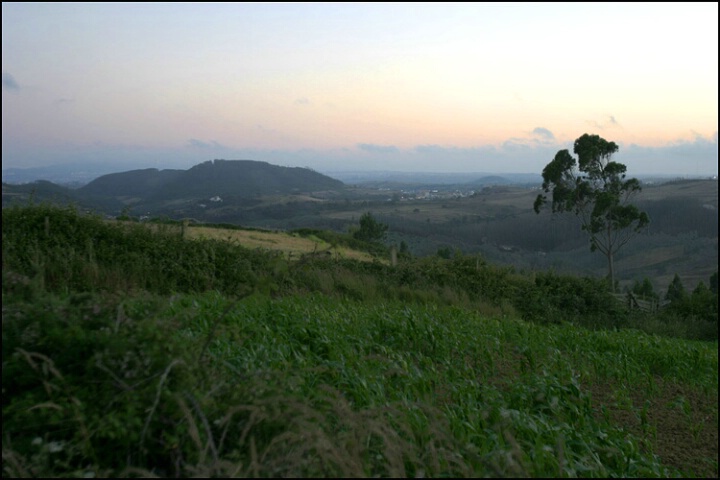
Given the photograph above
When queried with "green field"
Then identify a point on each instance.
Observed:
(130, 351)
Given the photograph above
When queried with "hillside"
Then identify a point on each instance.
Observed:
(494, 221)
(137, 351)
(135, 183)
(180, 193)
(240, 178)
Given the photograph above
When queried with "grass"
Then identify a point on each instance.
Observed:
(291, 245)
(205, 358)
(311, 386)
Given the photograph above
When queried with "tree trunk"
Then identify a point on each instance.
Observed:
(611, 271)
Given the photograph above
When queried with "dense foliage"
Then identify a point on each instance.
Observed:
(370, 229)
(129, 350)
(64, 251)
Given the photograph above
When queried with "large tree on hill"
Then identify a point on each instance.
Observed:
(594, 188)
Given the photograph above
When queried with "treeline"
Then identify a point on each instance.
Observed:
(54, 249)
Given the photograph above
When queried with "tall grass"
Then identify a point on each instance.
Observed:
(239, 363)
(202, 384)
(63, 251)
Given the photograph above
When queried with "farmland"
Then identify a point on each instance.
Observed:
(495, 221)
(132, 351)
(291, 245)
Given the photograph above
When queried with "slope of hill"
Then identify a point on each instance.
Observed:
(136, 351)
(134, 183)
(40, 191)
(242, 178)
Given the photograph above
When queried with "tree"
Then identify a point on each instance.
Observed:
(370, 229)
(594, 188)
(676, 291)
(404, 251)
(645, 289)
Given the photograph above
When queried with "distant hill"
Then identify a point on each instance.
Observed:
(239, 178)
(135, 183)
(38, 191)
(155, 189)
(491, 180)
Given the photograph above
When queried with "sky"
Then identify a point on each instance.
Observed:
(425, 87)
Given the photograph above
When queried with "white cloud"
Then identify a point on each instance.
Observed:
(543, 134)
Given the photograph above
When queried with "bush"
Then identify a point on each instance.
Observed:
(89, 380)
(554, 299)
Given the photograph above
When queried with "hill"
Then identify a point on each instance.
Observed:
(169, 192)
(243, 178)
(40, 190)
(134, 183)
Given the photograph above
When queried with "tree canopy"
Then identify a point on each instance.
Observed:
(594, 188)
(370, 229)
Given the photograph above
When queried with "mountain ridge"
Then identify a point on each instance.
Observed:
(240, 178)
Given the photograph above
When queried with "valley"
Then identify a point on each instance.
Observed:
(489, 215)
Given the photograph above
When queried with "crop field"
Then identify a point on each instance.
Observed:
(290, 244)
(315, 386)
(133, 351)
(524, 399)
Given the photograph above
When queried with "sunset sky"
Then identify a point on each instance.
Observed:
(484, 87)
